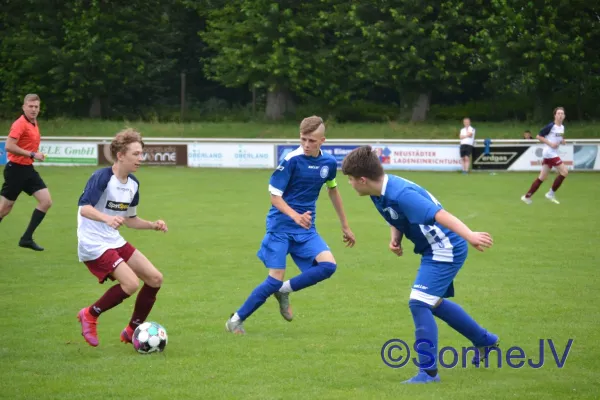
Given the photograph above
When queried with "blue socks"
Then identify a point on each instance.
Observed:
(426, 334)
(258, 296)
(312, 276)
(460, 321)
(261, 293)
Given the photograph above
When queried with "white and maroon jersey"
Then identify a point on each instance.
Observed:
(108, 195)
(554, 133)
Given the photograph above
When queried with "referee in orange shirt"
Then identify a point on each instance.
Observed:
(22, 146)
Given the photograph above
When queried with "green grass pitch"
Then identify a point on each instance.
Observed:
(539, 281)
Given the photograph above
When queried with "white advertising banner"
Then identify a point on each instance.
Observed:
(229, 155)
(531, 160)
(586, 157)
(420, 157)
(68, 153)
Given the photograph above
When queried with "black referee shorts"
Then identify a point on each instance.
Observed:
(20, 178)
(466, 150)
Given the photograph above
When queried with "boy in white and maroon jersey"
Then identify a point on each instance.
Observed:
(110, 200)
(552, 135)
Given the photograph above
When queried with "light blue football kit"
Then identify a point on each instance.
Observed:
(412, 210)
(298, 180)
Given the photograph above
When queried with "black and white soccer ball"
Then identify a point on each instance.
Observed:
(150, 337)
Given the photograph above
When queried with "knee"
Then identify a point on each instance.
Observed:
(5, 210)
(45, 204)
(270, 286)
(329, 269)
(565, 173)
(155, 280)
(130, 286)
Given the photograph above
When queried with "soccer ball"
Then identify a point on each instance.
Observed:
(150, 337)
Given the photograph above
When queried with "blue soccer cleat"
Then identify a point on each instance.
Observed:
(484, 351)
(423, 377)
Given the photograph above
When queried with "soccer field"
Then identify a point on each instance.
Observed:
(539, 281)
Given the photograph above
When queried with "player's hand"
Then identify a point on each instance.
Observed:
(395, 247)
(160, 225)
(348, 237)
(304, 220)
(563, 141)
(554, 145)
(39, 156)
(115, 222)
(481, 240)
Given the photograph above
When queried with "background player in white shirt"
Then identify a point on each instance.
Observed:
(467, 141)
(552, 135)
(110, 200)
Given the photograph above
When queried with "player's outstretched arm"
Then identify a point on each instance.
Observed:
(479, 240)
(336, 200)
(304, 220)
(90, 212)
(138, 223)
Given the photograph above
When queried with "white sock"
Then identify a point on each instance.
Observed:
(235, 317)
(286, 288)
(551, 192)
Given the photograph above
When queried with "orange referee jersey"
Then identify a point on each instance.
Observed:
(28, 138)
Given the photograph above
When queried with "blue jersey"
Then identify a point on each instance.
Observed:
(299, 179)
(411, 209)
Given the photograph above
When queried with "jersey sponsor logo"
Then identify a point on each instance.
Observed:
(116, 205)
(324, 171)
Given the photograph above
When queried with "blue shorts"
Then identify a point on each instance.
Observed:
(303, 247)
(436, 278)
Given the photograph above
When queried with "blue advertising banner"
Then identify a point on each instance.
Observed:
(2, 153)
(338, 151)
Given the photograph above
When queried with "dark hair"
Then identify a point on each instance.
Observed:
(556, 109)
(363, 161)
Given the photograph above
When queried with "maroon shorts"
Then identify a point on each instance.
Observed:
(552, 162)
(104, 265)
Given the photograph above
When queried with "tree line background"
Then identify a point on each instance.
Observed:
(241, 60)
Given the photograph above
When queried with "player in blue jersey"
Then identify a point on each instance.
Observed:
(440, 238)
(294, 187)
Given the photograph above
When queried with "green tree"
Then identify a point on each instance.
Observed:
(285, 47)
(417, 47)
(113, 50)
(538, 47)
(30, 39)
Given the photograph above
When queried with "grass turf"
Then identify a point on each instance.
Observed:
(539, 281)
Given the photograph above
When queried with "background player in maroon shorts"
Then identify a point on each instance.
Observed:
(552, 135)
(109, 201)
